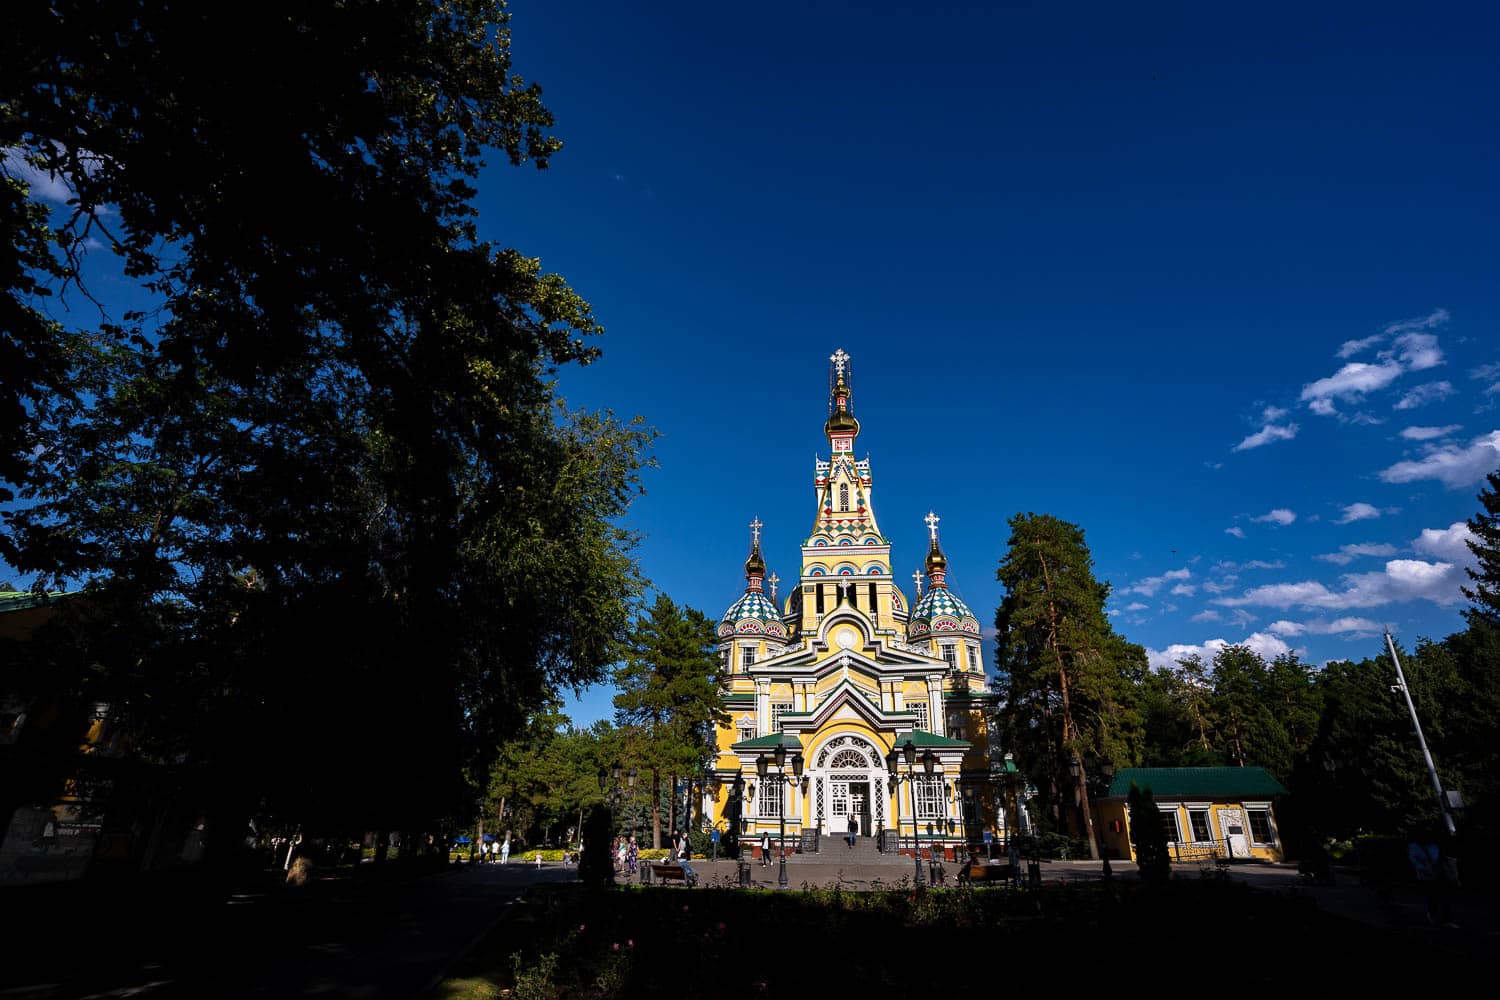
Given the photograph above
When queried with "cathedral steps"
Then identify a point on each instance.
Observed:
(836, 850)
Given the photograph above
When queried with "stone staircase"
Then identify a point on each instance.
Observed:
(836, 850)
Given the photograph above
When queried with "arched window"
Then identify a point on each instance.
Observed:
(843, 496)
(847, 759)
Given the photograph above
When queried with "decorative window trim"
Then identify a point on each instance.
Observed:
(747, 658)
(777, 710)
(929, 798)
(949, 652)
(919, 708)
(1264, 810)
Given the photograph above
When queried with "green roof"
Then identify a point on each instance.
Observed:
(19, 600)
(1207, 782)
(769, 742)
(925, 739)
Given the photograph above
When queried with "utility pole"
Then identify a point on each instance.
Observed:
(1437, 785)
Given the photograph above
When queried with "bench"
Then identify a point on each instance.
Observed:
(665, 873)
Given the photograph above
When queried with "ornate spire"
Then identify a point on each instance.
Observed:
(841, 427)
(755, 566)
(937, 563)
(773, 580)
(917, 579)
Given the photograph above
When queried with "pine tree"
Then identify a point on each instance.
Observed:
(670, 695)
(1070, 682)
(1152, 856)
(1485, 526)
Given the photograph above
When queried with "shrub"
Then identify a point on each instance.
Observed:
(1147, 836)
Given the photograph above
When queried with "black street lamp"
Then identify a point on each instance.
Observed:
(1106, 773)
(779, 781)
(908, 751)
(630, 783)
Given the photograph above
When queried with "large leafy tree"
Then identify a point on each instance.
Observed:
(339, 536)
(1069, 681)
(670, 699)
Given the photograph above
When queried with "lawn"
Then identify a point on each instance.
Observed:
(570, 942)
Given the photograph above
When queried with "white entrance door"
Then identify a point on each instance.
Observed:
(859, 808)
(1232, 829)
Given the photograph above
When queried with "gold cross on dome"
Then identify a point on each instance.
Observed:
(839, 359)
(932, 523)
(773, 580)
(755, 527)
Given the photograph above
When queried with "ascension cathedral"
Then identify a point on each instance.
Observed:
(843, 672)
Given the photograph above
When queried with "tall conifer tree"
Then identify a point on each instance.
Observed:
(1068, 678)
(670, 695)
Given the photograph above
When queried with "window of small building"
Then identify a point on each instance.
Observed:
(1198, 820)
(1169, 825)
(1260, 826)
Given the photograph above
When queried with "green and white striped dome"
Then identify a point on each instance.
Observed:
(940, 610)
(752, 614)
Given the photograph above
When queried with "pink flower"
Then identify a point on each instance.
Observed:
(615, 946)
(580, 928)
(629, 943)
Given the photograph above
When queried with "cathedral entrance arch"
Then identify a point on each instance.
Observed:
(850, 782)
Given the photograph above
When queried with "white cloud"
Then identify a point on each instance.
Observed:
(1350, 383)
(1350, 348)
(1210, 615)
(1136, 606)
(1401, 580)
(1215, 587)
(1149, 586)
(1184, 590)
(47, 187)
(1242, 618)
(1359, 512)
(1486, 372)
(1322, 626)
(1323, 407)
(1450, 464)
(1114, 611)
(1428, 433)
(1280, 516)
(1236, 531)
(1430, 392)
(1450, 543)
(1268, 646)
(1420, 351)
(1271, 414)
(1267, 434)
(1348, 553)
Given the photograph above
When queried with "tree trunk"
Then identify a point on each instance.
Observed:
(1070, 731)
(672, 808)
(655, 808)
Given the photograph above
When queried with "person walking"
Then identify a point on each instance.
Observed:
(505, 849)
(632, 856)
(1427, 863)
(853, 830)
(619, 855)
(765, 850)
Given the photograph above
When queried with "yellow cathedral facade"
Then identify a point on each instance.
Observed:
(845, 677)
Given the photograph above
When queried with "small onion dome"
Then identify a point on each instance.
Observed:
(940, 610)
(752, 614)
(755, 566)
(842, 421)
(936, 562)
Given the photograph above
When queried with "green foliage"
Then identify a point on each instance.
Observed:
(1069, 681)
(597, 868)
(1485, 526)
(320, 481)
(1147, 836)
(670, 699)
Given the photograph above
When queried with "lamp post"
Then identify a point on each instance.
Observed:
(779, 781)
(908, 751)
(630, 783)
(1106, 773)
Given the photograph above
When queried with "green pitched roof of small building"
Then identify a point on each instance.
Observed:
(19, 600)
(1205, 782)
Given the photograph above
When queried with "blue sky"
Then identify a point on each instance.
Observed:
(1217, 284)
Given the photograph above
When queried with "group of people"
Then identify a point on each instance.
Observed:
(493, 850)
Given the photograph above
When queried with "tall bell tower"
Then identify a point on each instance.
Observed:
(846, 560)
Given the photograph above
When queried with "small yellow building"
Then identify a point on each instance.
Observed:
(1207, 812)
(845, 668)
